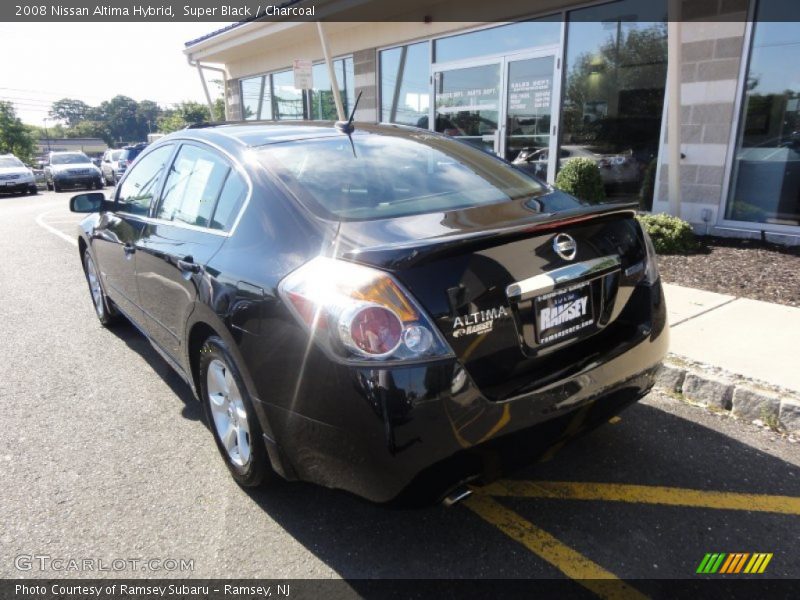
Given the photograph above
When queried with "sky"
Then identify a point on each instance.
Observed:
(43, 62)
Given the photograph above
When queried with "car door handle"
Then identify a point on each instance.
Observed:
(128, 249)
(187, 265)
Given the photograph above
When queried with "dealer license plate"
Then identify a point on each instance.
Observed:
(563, 314)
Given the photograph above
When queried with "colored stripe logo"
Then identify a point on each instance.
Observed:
(734, 563)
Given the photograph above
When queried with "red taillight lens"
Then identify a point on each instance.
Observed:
(356, 312)
(374, 330)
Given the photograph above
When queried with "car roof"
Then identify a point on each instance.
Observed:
(262, 133)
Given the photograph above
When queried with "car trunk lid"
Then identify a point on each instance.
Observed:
(517, 306)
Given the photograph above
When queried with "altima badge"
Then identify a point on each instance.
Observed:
(477, 322)
(565, 246)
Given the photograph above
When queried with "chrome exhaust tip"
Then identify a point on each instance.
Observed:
(456, 496)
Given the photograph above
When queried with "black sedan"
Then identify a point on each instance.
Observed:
(385, 311)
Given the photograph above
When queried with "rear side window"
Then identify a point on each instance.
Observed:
(230, 202)
(377, 176)
(137, 190)
(193, 186)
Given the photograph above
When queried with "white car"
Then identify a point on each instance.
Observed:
(15, 177)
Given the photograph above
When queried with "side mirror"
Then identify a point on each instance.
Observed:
(88, 203)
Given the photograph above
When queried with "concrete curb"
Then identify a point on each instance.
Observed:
(726, 393)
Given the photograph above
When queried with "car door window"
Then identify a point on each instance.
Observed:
(230, 202)
(193, 186)
(140, 186)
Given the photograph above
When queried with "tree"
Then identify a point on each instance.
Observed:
(120, 116)
(185, 113)
(147, 114)
(90, 129)
(14, 136)
(69, 110)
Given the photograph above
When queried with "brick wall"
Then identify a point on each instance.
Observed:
(233, 100)
(711, 58)
(365, 67)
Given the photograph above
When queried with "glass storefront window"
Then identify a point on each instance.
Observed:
(613, 97)
(256, 100)
(321, 103)
(499, 40)
(468, 104)
(289, 101)
(405, 87)
(765, 187)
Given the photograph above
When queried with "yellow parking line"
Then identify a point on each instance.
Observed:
(573, 564)
(644, 494)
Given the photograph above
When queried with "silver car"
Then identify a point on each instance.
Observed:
(15, 177)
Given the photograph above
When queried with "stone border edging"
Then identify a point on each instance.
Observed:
(740, 397)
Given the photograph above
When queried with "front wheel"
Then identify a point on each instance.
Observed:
(103, 307)
(231, 416)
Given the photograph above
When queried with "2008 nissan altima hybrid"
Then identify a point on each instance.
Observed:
(381, 309)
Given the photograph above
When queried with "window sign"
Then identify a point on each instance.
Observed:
(303, 78)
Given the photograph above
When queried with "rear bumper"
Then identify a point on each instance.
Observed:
(419, 430)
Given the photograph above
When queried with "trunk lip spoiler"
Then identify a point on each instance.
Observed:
(545, 222)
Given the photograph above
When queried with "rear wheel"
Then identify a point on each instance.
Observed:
(33, 190)
(56, 187)
(231, 416)
(103, 308)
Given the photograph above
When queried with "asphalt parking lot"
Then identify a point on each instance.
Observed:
(104, 454)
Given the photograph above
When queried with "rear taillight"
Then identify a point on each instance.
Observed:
(651, 262)
(358, 313)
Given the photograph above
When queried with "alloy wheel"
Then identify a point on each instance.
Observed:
(94, 287)
(229, 413)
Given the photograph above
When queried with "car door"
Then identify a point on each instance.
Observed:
(115, 237)
(181, 238)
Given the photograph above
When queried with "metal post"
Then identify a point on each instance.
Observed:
(674, 107)
(337, 98)
(205, 90)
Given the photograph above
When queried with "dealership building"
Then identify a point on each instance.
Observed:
(559, 80)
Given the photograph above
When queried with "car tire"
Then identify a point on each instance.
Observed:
(33, 190)
(106, 313)
(49, 185)
(230, 415)
(55, 187)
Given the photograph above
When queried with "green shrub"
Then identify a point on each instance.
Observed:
(581, 178)
(670, 235)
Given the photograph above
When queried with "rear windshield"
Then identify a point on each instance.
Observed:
(385, 176)
(69, 158)
(10, 161)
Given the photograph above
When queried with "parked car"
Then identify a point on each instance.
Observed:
(116, 161)
(15, 177)
(71, 169)
(388, 312)
(614, 168)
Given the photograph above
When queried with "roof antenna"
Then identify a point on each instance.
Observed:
(347, 126)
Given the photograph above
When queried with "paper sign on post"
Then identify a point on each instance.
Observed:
(302, 74)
